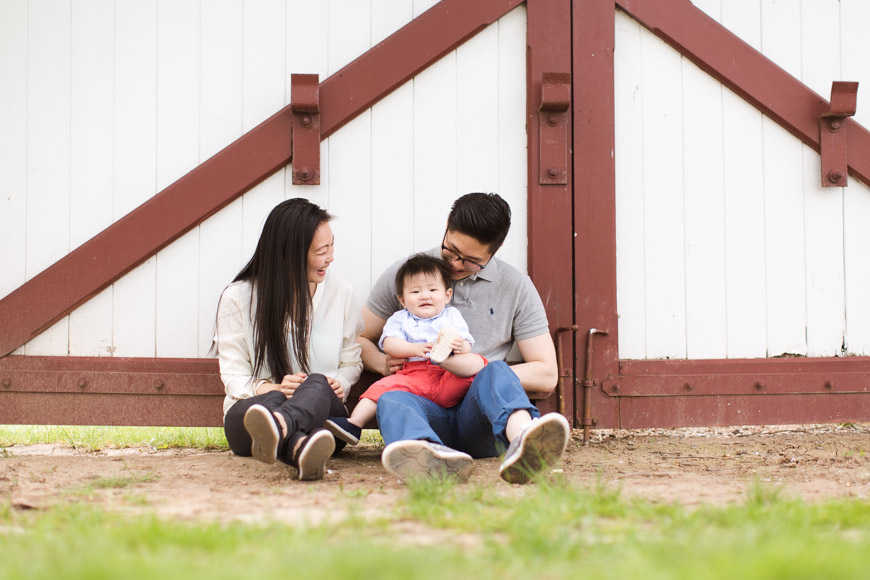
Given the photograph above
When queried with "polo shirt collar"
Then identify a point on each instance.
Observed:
(489, 272)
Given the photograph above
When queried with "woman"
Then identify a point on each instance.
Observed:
(286, 341)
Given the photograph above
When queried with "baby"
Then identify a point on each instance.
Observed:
(431, 335)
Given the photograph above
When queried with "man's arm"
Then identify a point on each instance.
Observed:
(373, 359)
(539, 372)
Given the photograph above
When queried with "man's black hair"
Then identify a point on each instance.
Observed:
(486, 217)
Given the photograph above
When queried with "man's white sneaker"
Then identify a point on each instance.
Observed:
(442, 348)
(538, 446)
(415, 459)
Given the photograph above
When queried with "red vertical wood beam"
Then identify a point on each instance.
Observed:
(84, 272)
(595, 195)
(548, 39)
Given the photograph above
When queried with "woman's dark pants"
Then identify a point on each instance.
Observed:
(304, 412)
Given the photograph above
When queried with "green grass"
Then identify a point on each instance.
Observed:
(96, 438)
(548, 530)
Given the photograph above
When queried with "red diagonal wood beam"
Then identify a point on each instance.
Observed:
(747, 72)
(100, 261)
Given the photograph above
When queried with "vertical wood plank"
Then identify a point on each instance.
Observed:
(349, 31)
(664, 233)
(92, 158)
(13, 144)
(392, 151)
(512, 141)
(48, 151)
(135, 315)
(135, 164)
(178, 58)
(706, 328)
(222, 121)
(434, 150)
(855, 45)
(823, 207)
(221, 250)
(350, 163)
(392, 204)
(783, 209)
(265, 77)
(629, 151)
(744, 203)
(784, 242)
(857, 240)
(477, 138)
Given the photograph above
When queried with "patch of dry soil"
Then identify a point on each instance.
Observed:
(691, 466)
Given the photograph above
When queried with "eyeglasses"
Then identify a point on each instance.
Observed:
(452, 256)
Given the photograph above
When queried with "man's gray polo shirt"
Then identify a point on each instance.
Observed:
(499, 303)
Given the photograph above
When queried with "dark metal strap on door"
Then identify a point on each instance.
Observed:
(564, 373)
(588, 382)
(553, 126)
(832, 134)
(305, 128)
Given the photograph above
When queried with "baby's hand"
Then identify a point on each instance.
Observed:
(424, 349)
(461, 346)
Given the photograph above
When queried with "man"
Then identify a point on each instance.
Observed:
(501, 305)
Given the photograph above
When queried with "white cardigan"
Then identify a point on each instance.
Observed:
(334, 350)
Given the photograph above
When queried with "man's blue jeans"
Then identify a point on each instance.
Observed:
(476, 425)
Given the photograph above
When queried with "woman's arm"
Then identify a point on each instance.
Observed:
(231, 341)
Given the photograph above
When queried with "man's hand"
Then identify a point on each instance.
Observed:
(393, 365)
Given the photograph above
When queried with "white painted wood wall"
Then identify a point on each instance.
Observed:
(727, 245)
(106, 102)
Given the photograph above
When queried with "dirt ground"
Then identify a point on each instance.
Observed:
(691, 466)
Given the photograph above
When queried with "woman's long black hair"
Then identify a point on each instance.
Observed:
(278, 272)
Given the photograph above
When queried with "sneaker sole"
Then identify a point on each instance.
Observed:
(542, 447)
(410, 460)
(312, 460)
(340, 433)
(264, 434)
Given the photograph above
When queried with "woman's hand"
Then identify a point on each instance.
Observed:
(267, 386)
(290, 383)
(336, 387)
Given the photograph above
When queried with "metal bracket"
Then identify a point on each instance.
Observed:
(564, 373)
(588, 383)
(832, 134)
(553, 127)
(305, 128)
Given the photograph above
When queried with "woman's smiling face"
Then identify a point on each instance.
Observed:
(320, 253)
